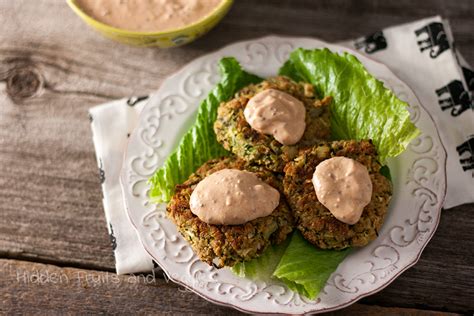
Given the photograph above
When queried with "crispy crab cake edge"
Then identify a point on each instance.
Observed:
(315, 221)
(229, 244)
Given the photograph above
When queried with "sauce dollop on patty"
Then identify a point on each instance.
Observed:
(148, 15)
(277, 113)
(232, 197)
(344, 187)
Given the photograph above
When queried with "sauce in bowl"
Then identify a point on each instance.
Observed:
(148, 15)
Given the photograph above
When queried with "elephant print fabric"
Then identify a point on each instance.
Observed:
(453, 96)
(111, 125)
(432, 37)
(372, 43)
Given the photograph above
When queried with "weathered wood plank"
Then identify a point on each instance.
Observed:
(53, 68)
(30, 288)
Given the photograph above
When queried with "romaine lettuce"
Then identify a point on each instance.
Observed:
(304, 268)
(263, 267)
(362, 107)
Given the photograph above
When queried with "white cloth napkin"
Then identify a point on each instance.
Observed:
(112, 124)
(421, 53)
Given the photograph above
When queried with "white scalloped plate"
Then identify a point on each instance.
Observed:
(419, 180)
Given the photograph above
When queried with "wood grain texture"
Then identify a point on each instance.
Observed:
(31, 288)
(53, 68)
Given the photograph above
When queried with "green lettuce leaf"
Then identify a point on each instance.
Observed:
(304, 268)
(362, 107)
(199, 144)
(262, 268)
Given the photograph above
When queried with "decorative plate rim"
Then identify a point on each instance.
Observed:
(443, 190)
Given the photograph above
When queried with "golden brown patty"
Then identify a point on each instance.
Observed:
(236, 135)
(229, 244)
(314, 220)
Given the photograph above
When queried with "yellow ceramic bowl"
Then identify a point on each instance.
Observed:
(170, 38)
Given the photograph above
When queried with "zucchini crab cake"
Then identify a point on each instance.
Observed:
(236, 135)
(226, 245)
(313, 219)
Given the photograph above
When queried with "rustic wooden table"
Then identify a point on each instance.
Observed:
(55, 253)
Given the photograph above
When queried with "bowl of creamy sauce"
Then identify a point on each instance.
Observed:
(162, 23)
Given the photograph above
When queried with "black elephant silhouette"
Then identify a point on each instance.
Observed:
(113, 240)
(469, 77)
(436, 39)
(101, 172)
(372, 43)
(453, 96)
(467, 147)
(134, 100)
